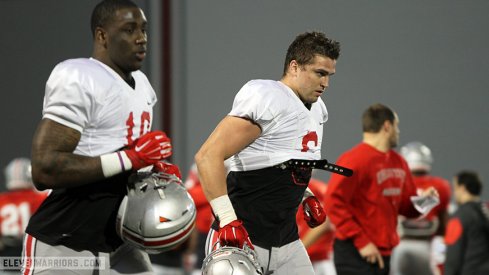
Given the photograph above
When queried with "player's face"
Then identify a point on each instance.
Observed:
(313, 79)
(127, 39)
(394, 133)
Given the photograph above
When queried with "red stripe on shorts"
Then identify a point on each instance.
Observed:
(27, 264)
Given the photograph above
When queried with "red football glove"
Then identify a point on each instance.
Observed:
(234, 234)
(149, 149)
(313, 212)
(167, 168)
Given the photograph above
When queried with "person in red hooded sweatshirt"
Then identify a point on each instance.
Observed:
(364, 208)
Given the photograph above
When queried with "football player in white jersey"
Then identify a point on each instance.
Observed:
(270, 122)
(95, 130)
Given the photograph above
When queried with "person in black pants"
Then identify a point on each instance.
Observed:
(467, 234)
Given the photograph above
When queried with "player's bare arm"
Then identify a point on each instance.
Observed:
(53, 163)
(231, 135)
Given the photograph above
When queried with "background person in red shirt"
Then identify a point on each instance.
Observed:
(318, 240)
(414, 254)
(364, 208)
(17, 205)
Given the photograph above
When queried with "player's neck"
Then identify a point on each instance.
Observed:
(285, 80)
(126, 76)
(467, 197)
(376, 140)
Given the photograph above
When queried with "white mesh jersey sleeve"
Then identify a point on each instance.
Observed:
(289, 129)
(255, 103)
(66, 100)
(88, 96)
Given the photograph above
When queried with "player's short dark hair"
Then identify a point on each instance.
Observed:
(307, 45)
(374, 117)
(105, 10)
(470, 180)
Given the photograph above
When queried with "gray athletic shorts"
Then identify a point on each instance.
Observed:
(412, 257)
(41, 258)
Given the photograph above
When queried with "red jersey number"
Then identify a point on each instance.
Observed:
(310, 137)
(145, 119)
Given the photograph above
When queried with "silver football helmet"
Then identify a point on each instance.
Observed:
(18, 174)
(417, 155)
(157, 214)
(229, 260)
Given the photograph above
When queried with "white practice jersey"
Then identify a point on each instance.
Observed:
(289, 129)
(90, 97)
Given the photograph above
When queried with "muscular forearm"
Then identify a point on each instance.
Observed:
(212, 177)
(53, 163)
(63, 170)
(230, 136)
(212, 173)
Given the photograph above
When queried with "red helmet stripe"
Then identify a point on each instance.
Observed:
(150, 243)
